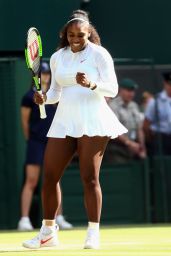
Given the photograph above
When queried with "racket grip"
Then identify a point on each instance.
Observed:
(42, 109)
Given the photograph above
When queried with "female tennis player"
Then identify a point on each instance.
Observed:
(82, 76)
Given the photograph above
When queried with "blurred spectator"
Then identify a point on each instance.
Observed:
(146, 97)
(35, 130)
(131, 145)
(157, 123)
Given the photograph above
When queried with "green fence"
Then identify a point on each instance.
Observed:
(161, 189)
(125, 194)
(14, 81)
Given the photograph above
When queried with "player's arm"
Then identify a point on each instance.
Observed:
(107, 84)
(54, 93)
(25, 119)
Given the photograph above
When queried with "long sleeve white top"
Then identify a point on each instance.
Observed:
(95, 61)
(82, 110)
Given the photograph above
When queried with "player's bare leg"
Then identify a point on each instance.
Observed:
(58, 154)
(90, 151)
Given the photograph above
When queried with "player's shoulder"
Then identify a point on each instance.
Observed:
(99, 50)
(56, 54)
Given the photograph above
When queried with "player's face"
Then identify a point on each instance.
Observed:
(77, 35)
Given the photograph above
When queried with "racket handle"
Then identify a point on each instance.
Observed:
(42, 109)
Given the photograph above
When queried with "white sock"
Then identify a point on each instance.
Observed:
(48, 223)
(93, 225)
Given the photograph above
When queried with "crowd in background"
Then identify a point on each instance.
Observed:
(148, 123)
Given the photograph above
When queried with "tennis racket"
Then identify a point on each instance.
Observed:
(33, 55)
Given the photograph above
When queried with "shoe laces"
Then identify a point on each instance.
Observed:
(45, 231)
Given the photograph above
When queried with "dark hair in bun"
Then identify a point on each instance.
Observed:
(82, 17)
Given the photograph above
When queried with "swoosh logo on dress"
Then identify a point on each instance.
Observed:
(82, 60)
(44, 241)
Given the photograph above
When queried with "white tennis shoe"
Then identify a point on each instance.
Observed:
(47, 237)
(93, 239)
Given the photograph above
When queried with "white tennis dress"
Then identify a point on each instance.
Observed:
(82, 111)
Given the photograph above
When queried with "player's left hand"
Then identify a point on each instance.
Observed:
(82, 79)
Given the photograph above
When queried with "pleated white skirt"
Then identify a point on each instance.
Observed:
(84, 112)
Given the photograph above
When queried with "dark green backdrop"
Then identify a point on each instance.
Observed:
(136, 29)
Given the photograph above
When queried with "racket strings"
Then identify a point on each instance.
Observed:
(33, 51)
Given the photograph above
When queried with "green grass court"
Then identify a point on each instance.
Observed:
(153, 240)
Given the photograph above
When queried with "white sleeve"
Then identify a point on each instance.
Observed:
(54, 92)
(107, 84)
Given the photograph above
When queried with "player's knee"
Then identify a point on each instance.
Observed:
(90, 181)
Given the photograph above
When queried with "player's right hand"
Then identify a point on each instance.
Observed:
(39, 97)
